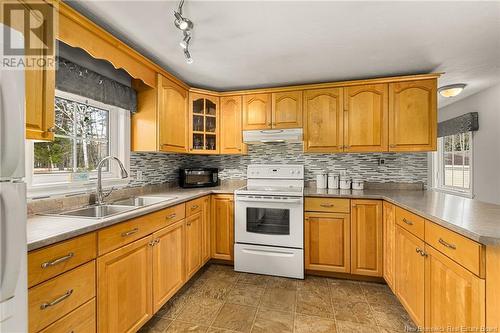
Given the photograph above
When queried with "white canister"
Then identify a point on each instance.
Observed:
(358, 184)
(321, 180)
(333, 181)
(345, 183)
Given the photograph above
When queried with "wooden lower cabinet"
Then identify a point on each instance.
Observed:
(366, 237)
(124, 288)
(80, 320)
(327, 242)
(206, 212)
(389, 238)
(409, 274)
(222, 227)
(169, 269)
(193, 243)
(454, 297)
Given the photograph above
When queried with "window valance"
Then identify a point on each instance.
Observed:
(468, 122)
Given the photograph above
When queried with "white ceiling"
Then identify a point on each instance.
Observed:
(248, 44)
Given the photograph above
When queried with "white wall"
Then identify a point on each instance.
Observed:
(486, 148)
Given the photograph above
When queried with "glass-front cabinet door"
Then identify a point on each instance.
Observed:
(203, 124)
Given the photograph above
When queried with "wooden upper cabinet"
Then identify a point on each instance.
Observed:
(366, 118)
(366, 237)
(172, 116)
(323, 120)
(389, 227)
(169, 270)
(222, 227)
(454, 297)
(257, 112)
(413, 115)
(124, 287)
(203, 124)
(409, 274)
(40, 92)
(231, 138)
(327, 242)
(287, 109)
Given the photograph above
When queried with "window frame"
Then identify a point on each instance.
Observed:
(63, 183)
(437, 161)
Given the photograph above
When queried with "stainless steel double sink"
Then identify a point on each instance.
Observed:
(117, 207)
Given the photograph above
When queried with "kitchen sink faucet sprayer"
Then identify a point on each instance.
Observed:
(99, 194)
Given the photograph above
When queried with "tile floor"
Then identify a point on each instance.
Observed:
(219, 300)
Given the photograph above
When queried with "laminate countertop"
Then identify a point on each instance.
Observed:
(477, 220)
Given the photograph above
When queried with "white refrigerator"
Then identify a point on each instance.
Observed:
(13, 248)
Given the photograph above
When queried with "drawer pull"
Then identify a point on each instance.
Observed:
(57, 300)
(195, 207)
(130, 232)
(327, 205)
(58, 260)
(407, 221)
(448, 245)
(171, 216)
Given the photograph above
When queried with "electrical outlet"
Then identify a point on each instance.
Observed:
(139, 175)
(381, 161)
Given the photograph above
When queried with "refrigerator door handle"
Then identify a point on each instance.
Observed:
(13, 236)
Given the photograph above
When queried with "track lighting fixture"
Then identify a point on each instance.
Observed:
(184, 24)
(185, 41)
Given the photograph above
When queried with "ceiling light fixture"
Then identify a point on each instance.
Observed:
(185, 25)
(451, 90)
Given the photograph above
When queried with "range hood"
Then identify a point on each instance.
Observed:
(272, 135)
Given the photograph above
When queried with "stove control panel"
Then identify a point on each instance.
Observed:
(275, 171)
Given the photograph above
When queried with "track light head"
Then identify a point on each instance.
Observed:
(189, 60)
(182, 23)
(185, 41)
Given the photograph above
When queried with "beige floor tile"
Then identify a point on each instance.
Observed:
(216, 289)
(220, 330)
(281, 282)
(372, 287)
(313, 283)
(200, 310)
(279, 299)
(245, 295)
(235, 317)
(156, 325)
(254, 279)
(382, 299)
(184, 327)
(353, 311)
(393, 320)
(271, 321)
(343, 289)
(314, 303)
(310, 324)
(173, 307)
(350, 327)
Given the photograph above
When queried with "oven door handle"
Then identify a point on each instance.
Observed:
(298, 200)
(268, 253)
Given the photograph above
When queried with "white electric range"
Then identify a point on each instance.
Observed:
(269, 221)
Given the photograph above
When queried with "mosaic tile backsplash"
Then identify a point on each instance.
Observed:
(399, 167)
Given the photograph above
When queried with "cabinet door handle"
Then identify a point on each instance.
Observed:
(171, 216)
(58, 260)
(392, 146)
(130, 232)
(326, 205)
(195, 207)
(57, 300)
(448, 245)
(407, 221)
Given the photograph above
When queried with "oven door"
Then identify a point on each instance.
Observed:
(269, 220)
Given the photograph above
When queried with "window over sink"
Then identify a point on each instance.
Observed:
(85, 132)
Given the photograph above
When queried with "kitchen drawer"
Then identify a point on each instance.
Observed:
(330, 205)
(463, 250)
(53, 299)
(53, 260)
(194, 206)
(411, 222)
(126, 232)
(80, 320)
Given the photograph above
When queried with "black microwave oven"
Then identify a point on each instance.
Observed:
(198, 177)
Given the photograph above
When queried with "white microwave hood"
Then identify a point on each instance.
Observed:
(272, 135)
